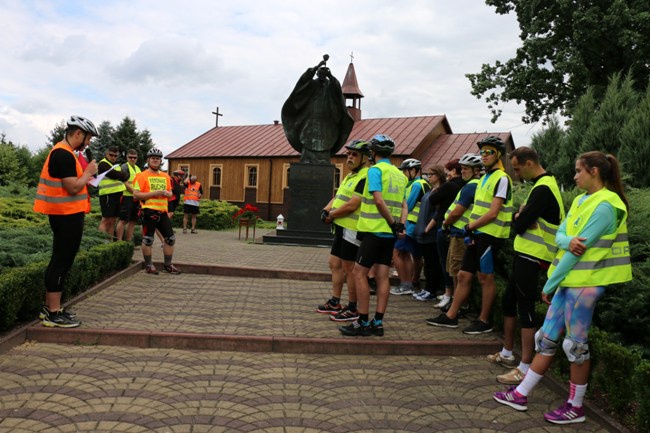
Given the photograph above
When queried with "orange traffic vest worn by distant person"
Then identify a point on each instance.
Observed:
(192, 192)
(148, 181)
(52, 198)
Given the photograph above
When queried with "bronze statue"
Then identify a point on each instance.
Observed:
(315, 118)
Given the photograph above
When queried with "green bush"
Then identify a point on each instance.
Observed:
(213, 215)
(642, 379)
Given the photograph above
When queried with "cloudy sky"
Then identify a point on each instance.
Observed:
(169, 64)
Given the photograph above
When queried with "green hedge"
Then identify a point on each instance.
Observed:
(22, 288)
(213, 215)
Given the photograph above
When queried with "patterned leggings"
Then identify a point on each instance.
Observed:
(571, 310)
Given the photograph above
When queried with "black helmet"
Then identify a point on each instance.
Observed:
(382, 144)
(361, 146)
(83, 124)
(154, 151)
(410, 163)
(493, 141)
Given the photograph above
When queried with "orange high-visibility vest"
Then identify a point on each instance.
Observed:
(52, 198)
(148, 181)
(192, 191)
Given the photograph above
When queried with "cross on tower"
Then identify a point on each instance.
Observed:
(351, 56)
(217, 114)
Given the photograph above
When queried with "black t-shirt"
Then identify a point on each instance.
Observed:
(444, 196)
(62, 164)
(541, 203)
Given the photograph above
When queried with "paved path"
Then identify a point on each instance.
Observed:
(47, 387)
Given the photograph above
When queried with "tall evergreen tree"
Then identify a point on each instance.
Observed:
(99, 144)
(634, 154)
(126, 137)
(549, 143)
(57, 134)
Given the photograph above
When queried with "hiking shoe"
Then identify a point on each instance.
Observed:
(171, 269)
(566, 414)
(328, 308)
(60, 319)
(377, 327)
(497, 358)
(477, 327)
(345, 315)
(44, 312)
(443, 321)
(401, 290)
(356, 329)
(444, 302)
(151, 269)
(513, 377)
(512, 398)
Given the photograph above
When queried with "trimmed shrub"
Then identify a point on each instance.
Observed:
(213, 215)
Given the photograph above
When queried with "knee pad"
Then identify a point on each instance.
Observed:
(170, 240)
(147, 241)
(575, 351)
(543, 345)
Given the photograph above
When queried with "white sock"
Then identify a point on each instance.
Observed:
(523, 367)
(530, 381)
(506, 353)
(579, 396)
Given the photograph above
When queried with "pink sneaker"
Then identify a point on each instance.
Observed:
(566, 414)
(512, 398)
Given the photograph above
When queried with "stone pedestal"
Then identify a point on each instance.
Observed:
(311, 187)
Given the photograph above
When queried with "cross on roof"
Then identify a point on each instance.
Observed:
(217, 114)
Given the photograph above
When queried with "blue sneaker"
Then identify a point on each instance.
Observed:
(426, 296)
(377, 327)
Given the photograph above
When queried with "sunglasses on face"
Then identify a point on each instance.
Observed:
(113, 155)
(132, 157)
(489, 152)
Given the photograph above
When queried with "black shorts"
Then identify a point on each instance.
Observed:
(523, 290)
(110, 204)
(481, 255)
(341, 248)
(129, 209)
(191, 209)
(155, 219)
(375, 250)
(172, 205)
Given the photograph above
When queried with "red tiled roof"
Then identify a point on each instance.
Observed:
(269, 140)
(448, 147)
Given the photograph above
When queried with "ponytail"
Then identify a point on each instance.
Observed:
(609, 170)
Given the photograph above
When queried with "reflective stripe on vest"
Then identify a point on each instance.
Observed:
(608, 260)
(52, 198)
(344, 194)
(393, 184)
(413, 213)
(464, 218)
(110, 186)
(132, 172)
(500, 227)
(539, 241)
(148, 181)
(192, 192)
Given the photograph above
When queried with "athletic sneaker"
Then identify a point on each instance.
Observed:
(345, 315)
(44, 312)
(328, 308)
(426, 296)
(512, 398)
(446, 300)
(171, 269)
(401, 290)
(59, 319)
(508, 362)
(443, 321)
(356, 329)
(477, 327)
(377, 327)
(151, 269)
(513, 377)
(566, 414)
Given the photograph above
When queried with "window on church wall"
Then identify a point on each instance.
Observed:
(216, 176)
(251, 176)
(285, 176)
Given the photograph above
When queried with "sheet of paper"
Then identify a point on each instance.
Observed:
(95, 181)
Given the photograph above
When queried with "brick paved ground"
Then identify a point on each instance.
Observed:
(48, 387)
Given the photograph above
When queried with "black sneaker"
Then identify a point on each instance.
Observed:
(171, 269)
(44, 312)
(60, 319)
(345, 315)
(377, 327)
(443, 321)
(328, 308)
(478, 327)
(356, 329)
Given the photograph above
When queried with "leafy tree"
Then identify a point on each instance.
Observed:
(567, 47)
(14, 162)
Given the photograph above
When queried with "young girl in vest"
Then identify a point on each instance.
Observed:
(593, 253)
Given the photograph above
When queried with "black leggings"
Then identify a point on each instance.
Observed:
(67, 231)
(522, 291)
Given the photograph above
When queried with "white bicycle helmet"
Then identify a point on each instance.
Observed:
(410, 163)
(83, 124)
(154, 151)
(471, 160)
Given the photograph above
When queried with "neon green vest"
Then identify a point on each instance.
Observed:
(344, 194)
(539, 241)
(464, 218)
(393, 184)
(500, 227)
(109, 186)
(608, 260)
(132, 171)
(413, 213)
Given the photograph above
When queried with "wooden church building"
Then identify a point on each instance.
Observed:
(250, 164)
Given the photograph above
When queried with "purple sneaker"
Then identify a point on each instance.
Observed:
(510, 398)
(566, 414)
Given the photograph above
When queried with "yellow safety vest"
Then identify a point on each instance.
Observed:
(344, 194)
(413, 213)
(608, 260)
(110, 186)
(132, 172)
(464, 218)
(539, 241)
(500, 227)
(393, 184)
